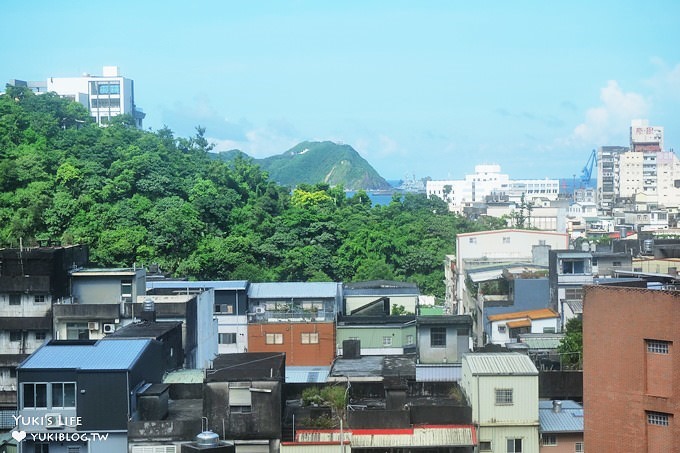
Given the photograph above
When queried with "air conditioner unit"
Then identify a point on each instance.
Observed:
(53, 421)
(109, 328)
(259, 310)
(93, 325)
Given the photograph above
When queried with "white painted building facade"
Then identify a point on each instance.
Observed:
(104, 96)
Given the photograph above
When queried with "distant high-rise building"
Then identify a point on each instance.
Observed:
(645, 169)
(104, 96)
(608, 176)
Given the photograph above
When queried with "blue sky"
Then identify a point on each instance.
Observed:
(428, 88)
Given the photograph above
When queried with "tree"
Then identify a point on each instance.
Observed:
(571, 346)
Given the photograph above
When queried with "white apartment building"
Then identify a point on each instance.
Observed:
(104, 96)
(486, 181)
(492, 251)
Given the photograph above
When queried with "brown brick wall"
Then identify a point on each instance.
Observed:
(619, 373)
(297, 354)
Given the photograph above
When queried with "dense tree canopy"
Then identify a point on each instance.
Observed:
(141, 197)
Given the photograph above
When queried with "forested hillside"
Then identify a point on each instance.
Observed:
(149, 197)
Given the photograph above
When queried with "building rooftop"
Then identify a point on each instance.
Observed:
(247, 366)
(560, 416)
(184, 377)
(541, 313)
(145, 329)
(106, 354)
(287, 290)
(507, 364)
(373, 368)
(181, 284)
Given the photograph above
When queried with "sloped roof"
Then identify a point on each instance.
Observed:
(281, 290)
(492, 364)
(519, 323)
(569, 419)
(107, 354)
(541, 313)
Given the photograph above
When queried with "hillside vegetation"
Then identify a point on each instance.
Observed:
(327, 162)
(149, 197)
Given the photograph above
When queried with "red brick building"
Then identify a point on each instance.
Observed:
(631, 379)
(305, 343)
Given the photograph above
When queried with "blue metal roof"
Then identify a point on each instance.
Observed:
(218, 284)
(108, 354)
(287, 290)
(568, 419)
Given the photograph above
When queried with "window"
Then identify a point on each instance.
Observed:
(39, 298)
(438, 337)
(472, 240)
(73, 450)
(502, 328)
(409, 339)
(548, 330)
(77, 331)
(224, 308)
(549, 440)
(64, 394)
(42, 448)
(309, 338)
(35, 395)
(506, 239)
(227, 338)
(578, 447)
(657, 346)
(239, 398)
(573, 293)
(274, 338)
(40, 335)
(514, 445)
(484, 445)
(616, 264)
(387, 341)
(503, 397)
(657, 418)
(574, 266)
(15, 335)
(15, 299)
(125, 285)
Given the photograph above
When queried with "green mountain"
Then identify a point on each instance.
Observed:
(314, 162)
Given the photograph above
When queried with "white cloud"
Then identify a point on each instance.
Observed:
(666, 82)
(610, 120)
(260, 142)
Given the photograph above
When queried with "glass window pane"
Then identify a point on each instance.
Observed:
(70, 395)
(57, 395)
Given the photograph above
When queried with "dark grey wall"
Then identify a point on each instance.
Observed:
(264, 421)
(102, 400)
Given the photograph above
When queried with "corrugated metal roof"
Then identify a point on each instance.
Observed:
(422, 436)
(500, 364)
(451, 372)
(293, 289)
(219, 284)
(576, 306)
(306, 374)
(541, 313)
(108, 354)
(569, 419)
